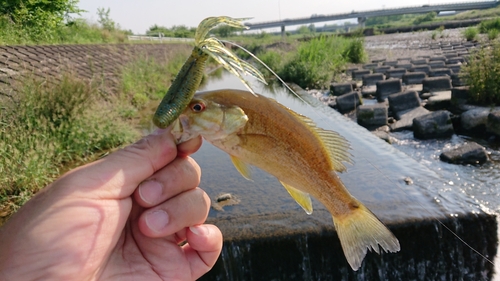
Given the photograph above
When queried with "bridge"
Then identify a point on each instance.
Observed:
(362, 15)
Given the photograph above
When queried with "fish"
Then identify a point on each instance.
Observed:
(188, 79)
(258, 131)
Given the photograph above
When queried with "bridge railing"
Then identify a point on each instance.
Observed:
(158, 38)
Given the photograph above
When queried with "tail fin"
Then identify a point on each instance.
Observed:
(361, 230)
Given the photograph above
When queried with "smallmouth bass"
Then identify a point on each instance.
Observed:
(255, 130)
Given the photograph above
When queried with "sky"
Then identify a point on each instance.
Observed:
(138, 16)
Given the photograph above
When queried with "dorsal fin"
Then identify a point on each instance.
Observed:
(335, 144)
(302, 198)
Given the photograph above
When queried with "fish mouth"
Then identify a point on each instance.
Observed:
(181, 130)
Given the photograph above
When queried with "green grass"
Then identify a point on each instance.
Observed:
(52, 125)
(482, 74)
(315, 63)
(470, 33)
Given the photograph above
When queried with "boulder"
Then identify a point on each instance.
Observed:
(405, 121)
(493, 122)
(388, 87)
(469, 153)
(474, 121)
(372, 79)
(338, 89)
(433, 125)
(372, 116)
(402, 102)
(412, 78)
(348, 102)
(434, 84)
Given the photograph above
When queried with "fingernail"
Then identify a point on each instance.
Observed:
(150, 191)
(157, 220)
(199, 230)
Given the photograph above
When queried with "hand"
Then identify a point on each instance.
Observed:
(121, 217)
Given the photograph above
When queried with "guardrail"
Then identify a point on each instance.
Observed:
(160, 38)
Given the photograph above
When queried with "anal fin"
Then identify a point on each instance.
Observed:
(302, 198)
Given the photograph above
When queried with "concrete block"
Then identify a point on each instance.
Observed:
(460, 93)
(437, 58)
(455, 60)
(439, 100)
(350, 70)
(348, 102)
(457, 80)
(357, 74)
(395, 73)
(372, 79)
(338, 89)
(433, 125)
(381, 69)
(406, 66)
(387, 87)
(390, 63)
(431, 84)
(455, 68)
(370, 66)
(437, 72)
(402, 102)
(411, 78)
(436, 64)
(421, 68)
(493, 122)
(419, 61)
(372, 116)
(405, 121)
(378, 61)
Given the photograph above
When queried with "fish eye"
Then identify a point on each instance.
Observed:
(198, 107)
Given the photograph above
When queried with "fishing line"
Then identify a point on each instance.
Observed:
(380, 172)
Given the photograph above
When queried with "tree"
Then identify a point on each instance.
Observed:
(105, 20)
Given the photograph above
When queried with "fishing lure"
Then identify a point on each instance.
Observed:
(189, 77)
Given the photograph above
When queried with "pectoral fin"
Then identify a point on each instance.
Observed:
(242, 167)
(302, 198)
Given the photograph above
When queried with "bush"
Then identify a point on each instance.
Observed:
(470, 33)
(482, 74)
(355, 51)
(488, 25)
(493, 34)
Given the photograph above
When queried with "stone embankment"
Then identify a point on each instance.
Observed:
(417, 86)
(102, 62)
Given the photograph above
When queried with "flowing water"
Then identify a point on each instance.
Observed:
(440, 191)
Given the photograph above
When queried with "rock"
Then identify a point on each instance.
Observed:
(402, 102)
(388, 87)
(413, 78)
(338, 89)
(372, 79)
(348, 102)
(439, 100)
(372, 116)
(433, 125)
(433, 84)
(470, 153)
(474, 121)
(383, 136)
(493, 123)
(405, 121)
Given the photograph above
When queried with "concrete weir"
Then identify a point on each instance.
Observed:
(267, 236)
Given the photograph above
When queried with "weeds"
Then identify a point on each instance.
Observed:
(49, 127)
(470, 33)
(482, 74)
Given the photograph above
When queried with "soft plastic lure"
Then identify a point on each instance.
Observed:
(189, 77)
